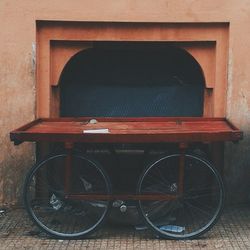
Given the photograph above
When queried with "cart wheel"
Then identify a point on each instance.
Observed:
(58, 216)
(184, 214)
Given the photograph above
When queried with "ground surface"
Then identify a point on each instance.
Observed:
(231, 232)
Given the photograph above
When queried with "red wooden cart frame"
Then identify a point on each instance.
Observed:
(181, 130)
(144, 130)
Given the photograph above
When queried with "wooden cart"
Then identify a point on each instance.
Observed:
(179, 196)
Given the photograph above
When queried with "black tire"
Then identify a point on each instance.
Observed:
(188, 215)
(45, 201)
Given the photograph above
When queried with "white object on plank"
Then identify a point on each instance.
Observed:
(96, 131)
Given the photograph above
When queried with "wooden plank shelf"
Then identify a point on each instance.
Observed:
(128, 130)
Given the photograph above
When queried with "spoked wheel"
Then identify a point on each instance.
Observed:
(55, 213)
(193, 199)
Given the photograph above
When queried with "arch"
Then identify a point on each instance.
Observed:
(132, 80)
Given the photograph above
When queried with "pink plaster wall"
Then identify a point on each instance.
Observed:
(17, 70)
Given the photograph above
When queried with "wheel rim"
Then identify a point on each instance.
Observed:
(46, 203)
(189, 214)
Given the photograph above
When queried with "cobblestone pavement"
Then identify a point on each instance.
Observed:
(231, 232)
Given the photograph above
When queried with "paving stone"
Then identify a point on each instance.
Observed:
(231, 232)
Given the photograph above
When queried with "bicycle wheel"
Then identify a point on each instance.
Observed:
(61, 217)
(191, 209)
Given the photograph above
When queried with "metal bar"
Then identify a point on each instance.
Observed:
(148, 197)
(182, 147)
(218, 156)
(68, 168)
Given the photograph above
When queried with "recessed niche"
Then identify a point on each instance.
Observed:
(60, 42)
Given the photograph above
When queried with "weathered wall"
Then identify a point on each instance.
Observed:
(17, 74)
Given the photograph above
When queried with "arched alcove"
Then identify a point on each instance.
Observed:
(132, 80)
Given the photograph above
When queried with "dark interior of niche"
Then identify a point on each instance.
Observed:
(132, 80)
